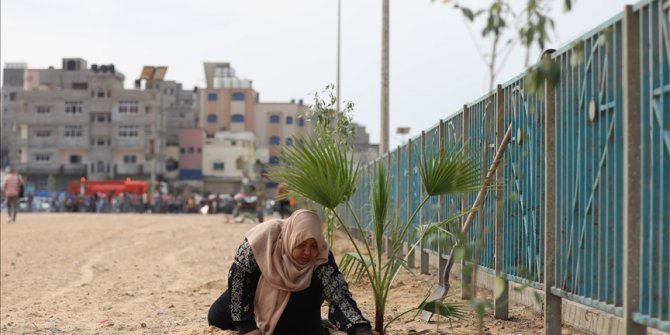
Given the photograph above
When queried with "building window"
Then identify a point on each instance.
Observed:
(74, 107)
(75, 159)
(101, 166)
(73, 131)
(274, 118)
(101, 142)
(301, 122)
(128, 131)
(199, 150)
(238, 96)
(79, 86)
(12, 96)
(129, 106)
(212, 118)
(42, 157)
(289, 141)
(218, 166)
(43, 133)
(43, 109)
(274, 160)
(275, 140)
(190, 150)
(237, 118)
(129, 159)
(101, 94)
(182, 150)
(212, 97)
(289, 120)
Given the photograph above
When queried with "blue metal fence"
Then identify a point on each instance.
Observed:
(589, 150)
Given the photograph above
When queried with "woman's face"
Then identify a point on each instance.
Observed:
(305, 252)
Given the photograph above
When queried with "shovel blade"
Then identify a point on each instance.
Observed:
(438, 293)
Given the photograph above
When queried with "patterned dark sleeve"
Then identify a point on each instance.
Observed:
(242, 282)
(343, 311)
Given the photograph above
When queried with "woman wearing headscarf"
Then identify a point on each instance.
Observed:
(279, 279)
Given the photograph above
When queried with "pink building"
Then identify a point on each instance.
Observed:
(191, 141)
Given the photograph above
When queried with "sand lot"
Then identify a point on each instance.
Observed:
(157, 274)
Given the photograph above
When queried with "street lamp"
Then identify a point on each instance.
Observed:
(402, 131)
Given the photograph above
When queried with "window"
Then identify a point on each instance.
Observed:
(101, 142)
(101, 94)
(190, 150)
(128, 131)
(74, 107)
(274, 118)
(101, 118)
(218, 166)
(275, 140)
(101, 166)
(75, 159)
(73, 131)
(43, 133)
(274, 160)
(212, 97)
(129, 106)
(43, 109)
(301, 122)
(289, 141)
(212, 118)
(199, 150)
(42, 157)
(182, 150)
(289, 120)
(129, 159)
(12, 96)
(79, 86)
(237, 118)
(238, 96)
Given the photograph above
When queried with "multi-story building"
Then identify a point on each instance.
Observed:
(229, 104)
(78, 122)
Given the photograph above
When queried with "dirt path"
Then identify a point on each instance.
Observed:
(153, 274)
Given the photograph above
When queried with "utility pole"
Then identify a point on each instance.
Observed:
(337, 85)
(384, 131)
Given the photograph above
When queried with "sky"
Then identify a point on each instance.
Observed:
(289, 48)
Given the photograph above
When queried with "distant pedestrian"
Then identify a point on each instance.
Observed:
(12, 185)
(283, 200)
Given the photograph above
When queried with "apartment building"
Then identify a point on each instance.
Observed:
(229, 105)
(75, 122)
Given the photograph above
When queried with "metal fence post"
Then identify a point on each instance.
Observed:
(501, 285)
(441, 254)
(631, 171)
(411, 257)
(466, 277)
(425, 256)
(552, 303)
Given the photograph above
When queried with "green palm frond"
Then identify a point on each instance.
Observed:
(449, 310)
(380, 206)
(319, 169)
(451, 171)
(353, 265)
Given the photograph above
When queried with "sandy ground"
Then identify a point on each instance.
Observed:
(158, 274)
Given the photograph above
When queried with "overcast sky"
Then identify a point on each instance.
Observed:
(288, 48)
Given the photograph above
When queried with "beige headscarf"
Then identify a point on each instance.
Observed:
(272, 243)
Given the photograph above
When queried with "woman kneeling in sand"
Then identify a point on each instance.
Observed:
(281, 274)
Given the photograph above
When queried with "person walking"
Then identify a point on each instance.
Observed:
(12, 186)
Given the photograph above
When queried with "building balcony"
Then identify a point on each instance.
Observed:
(101, 130)
(128, 169)
(135, 143)
(51, 168)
